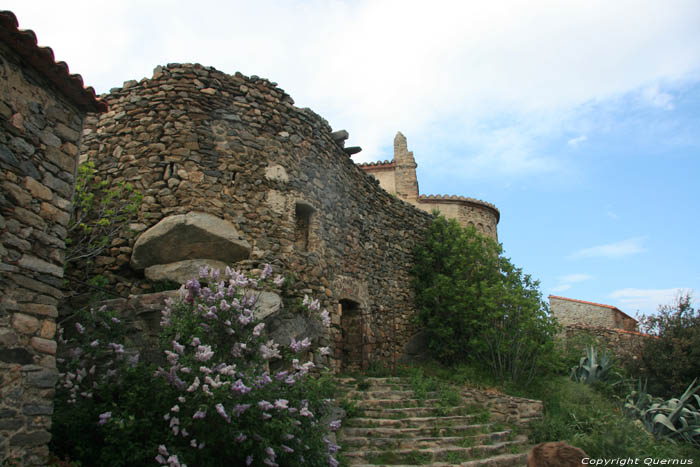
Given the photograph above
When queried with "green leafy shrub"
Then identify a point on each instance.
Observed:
(101, 210)
(474, 304)
(671, 359)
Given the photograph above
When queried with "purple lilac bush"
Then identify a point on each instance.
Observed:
(235, 397)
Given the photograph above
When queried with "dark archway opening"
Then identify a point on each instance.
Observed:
(352, 344)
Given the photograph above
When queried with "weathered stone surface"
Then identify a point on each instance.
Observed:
(194, 235)
(31, 439)
(35, 264)
(44, 345)
(24, 323)
(267, 304)
(44, 378)
(181, 271)
(416, 349)
(282, 328)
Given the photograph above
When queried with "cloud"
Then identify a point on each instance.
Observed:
(377, 66)
(657, 98)
(620, 249)
(560, 288)
(646, 300)
(575, 278)
(576, 141)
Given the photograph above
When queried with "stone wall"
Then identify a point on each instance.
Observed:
(624, 344)
(40, 131)
(570, 311)
(398, 177)
(193, 139)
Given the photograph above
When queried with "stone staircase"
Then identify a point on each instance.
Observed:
(391, 422)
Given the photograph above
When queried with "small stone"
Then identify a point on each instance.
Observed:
(35, 264)
(39, 309)
(48, 329)
(49, 211)
(36, 438)
(44, 345)
(24, 323)
(209, 91)
(17, 194)
(37, 189)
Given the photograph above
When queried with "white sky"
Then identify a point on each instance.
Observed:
(491, 95)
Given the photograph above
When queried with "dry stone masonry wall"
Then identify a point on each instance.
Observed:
(41, 114)
(209, 150)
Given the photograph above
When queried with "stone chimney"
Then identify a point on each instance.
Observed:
(405, 175)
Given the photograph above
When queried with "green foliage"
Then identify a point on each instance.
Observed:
(593, 422)
(474, 304)
(672, 359)
(674, 419)
(594, 368)
(100, 211)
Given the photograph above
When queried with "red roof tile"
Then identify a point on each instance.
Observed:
(24, 43)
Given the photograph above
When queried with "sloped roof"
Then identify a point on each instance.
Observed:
(593, 303)
(24, 43)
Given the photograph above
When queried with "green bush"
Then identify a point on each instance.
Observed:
(474, 304)
(671, 360)
(216, 401)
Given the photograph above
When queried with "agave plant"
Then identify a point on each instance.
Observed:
(592, 368)
(637, 402)
(676, 419)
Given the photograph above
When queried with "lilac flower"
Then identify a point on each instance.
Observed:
(175, 408)
(104, 417)
(204, 272)
(325, 318)
(193, 443)
(205, 370)
(270, 452)
(95, 343)
(299, 346)
(177, 347)
(241, 437)
(311, 304)
(304, 412)
(279, 280)
(263, 380)
(80, 328)
(174, 461)
(240, 408)
(324, 350)
(199, 415)
(265, 405)
(266, 416)
(162, 450)
(160, 459)
(220, 410)
(267, 271)
(249, 460)
(281, 404)
(258, 329)
(280, 376)
(286, 449)
(335, 425)
(204, 353)
(195, 384)
(269, 350)
(223, 304)
(195, 342)
(332, 462)
(172, 357)
(132, 360)
(239, 387)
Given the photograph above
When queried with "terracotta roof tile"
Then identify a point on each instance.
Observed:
(24, 43)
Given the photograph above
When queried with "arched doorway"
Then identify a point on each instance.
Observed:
(352, 343)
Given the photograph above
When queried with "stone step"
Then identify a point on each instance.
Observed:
(407, 412)
(386, 394)
(447, 453)
(405, 442)
(389, 432)
(411, 422)
(501, 460)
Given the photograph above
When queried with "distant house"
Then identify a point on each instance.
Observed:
(569, 311)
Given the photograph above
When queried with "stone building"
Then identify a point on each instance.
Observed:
(230, 164)
(42, 109)
(569, 311)
(398, 177)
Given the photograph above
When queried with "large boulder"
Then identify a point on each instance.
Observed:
(195, 235)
